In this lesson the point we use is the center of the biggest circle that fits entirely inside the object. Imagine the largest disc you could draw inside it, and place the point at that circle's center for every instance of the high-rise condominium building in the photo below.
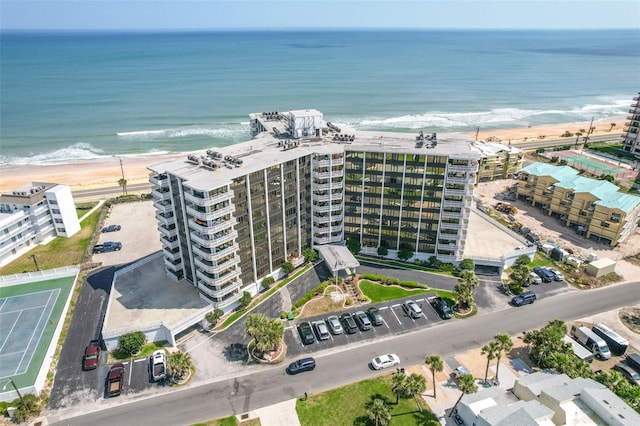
(632, 128)
(234, 216)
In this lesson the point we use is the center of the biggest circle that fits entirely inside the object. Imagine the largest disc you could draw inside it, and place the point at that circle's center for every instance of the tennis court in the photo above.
(591, 165)
(23, 320)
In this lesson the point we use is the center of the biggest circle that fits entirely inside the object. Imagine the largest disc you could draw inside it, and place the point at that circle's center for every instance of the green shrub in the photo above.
(349, 301)
(392, 281)
(364, 299)
(283, 315)
(268, 281)
(447, 267)
(413, 284)
(131, 342)
(373, 277)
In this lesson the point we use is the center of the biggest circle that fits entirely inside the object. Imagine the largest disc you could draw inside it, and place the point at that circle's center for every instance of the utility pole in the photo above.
(586, 138)
(16, 389)
(477, 131)
(124, 181)
(35, 261)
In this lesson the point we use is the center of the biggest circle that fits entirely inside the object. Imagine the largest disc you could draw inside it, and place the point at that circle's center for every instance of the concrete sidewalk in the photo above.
(281, 414)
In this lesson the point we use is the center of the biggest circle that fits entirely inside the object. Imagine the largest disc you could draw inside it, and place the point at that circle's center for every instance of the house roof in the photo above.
(607, 193)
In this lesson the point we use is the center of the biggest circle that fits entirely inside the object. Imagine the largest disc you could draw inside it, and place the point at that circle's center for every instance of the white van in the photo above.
(591, 341)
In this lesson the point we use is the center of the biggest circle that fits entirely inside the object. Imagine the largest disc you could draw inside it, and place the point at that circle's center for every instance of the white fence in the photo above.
(28, 277)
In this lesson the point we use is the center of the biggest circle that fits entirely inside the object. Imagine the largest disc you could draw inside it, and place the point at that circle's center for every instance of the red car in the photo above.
(91, 357)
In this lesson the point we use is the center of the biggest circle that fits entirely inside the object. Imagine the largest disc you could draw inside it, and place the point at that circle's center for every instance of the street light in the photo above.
(16, 389)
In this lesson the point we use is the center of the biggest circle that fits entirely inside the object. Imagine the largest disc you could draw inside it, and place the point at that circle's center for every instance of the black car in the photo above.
(304, 364)
(111, 228)
(441, 307)
(362, 320)
(348, 323)
(374, 315)
(306, 333)
(108, 246)
(528, 297)
(545, 275)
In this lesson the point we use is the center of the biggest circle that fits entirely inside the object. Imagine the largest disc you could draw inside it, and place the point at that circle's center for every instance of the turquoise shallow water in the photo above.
(69, 96)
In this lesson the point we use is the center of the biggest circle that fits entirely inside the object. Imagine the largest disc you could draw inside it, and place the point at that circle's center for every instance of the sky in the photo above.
(317, 14)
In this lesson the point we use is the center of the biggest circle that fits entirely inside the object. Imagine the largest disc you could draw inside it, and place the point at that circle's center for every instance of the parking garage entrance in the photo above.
(338, 258)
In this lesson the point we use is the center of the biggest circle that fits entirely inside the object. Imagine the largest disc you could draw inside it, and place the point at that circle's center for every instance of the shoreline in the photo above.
(105, 172)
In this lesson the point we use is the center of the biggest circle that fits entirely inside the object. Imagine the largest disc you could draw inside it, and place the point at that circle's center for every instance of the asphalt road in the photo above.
(110, 191)
(242, 394)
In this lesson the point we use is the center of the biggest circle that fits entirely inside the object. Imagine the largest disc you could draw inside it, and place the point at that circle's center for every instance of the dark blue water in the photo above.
(67, 96)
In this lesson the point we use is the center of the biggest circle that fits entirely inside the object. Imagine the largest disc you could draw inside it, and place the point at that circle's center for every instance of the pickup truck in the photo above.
(441, 307)
(107, 246)
(158, 363)
(115, 379)
(91, 357)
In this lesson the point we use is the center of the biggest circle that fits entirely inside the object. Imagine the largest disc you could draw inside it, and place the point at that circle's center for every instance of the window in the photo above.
(604, 224)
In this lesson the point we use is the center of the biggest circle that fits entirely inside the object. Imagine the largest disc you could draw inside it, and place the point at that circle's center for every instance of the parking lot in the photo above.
(394, 319)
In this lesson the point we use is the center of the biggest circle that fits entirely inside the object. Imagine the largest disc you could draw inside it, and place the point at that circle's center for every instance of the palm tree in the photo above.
(466, 384)
(179, 364)
(123, 183)
(468, 278)
(399, 384)
(464, 296)
(612, 126)
(505, 344)
(434, 362)
(415, 385)
(490, 350)
(378, 411)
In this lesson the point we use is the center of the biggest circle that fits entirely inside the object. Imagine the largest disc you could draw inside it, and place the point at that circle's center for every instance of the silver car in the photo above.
(322, 332)
(334, 325)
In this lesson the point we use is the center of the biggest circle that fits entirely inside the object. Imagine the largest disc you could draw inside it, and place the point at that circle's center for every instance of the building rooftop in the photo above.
(203, 172)
(619, 412)
(493, 148)
(606, 192)
(540, 380)
(518, 413)
(28, 194)
(570, 390)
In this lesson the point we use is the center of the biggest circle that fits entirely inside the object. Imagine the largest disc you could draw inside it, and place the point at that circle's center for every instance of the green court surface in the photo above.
(29, 315)
(591, 165)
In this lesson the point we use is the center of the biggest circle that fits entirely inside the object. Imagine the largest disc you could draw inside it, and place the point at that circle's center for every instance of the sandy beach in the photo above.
(106, 171)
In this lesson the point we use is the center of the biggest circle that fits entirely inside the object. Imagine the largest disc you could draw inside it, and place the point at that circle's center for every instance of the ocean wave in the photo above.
(495, 117)
(185, 132)
(71, 154)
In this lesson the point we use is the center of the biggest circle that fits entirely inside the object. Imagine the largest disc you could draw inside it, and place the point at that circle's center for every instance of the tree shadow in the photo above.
(426, 418)
(235, 352)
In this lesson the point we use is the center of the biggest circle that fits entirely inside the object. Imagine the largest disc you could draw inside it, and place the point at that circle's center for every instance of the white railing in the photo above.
(27, 277)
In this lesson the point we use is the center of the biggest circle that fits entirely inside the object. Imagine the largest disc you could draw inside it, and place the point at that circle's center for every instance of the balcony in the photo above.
(205, 202)
(177, 266)
(225, 252)
(447, 225)
(453, 215)
(214, 269)
(202, 285)
(325, 209)
(168, 254)
(462, 180)
(213, 229)
(168, 232)
(328, 197)
(215, 241)
(166, 242)
(161, 195)
(165, 219)
(216, 282)
(163, 206)
(328, 219)
(456, 192)
(460, 169)
(323, 163)
(160, 180)
(328, 175)
(228, 301)
(448, 203)
(327, 240)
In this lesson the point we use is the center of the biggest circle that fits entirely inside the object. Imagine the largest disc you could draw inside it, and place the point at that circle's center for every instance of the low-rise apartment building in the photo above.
(34, 214)
(593, 208)
(232, 217)
(498, 161)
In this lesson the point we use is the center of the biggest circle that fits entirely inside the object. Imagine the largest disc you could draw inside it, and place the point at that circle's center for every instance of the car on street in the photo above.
(322, 332)
(306, 334)
(526, 298)
(108, 246)
(557, 275)
(111, 228)
(334, 325)
(91, 357)
(374, 315)
(412, 309)
(348, 323)
(304, 364)
(362, 320)
(385, 361)
(535, 278)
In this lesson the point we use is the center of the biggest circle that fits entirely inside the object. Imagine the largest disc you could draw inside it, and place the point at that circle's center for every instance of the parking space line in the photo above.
(385, 323)
(130, 374)
(139, 360)
(394, 314)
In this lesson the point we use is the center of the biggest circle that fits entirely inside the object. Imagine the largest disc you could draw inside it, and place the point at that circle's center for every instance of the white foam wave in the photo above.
(75, 152)
(184, 132)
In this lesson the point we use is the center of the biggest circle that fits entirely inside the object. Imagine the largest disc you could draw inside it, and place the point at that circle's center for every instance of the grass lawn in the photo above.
(59, 252)
(540, 260)
(403, 265)
(381, 293)
(346, 406)
(146, 350)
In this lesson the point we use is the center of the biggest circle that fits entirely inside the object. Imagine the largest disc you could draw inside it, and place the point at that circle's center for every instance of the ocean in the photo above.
(74, 96)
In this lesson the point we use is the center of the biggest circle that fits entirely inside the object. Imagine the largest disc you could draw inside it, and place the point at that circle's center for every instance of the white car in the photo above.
(334, 325)
(384, 361)
(412, 309)
(536, 279)
(557, 274)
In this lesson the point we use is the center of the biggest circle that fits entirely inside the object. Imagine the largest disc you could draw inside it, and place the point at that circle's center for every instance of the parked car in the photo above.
(106, 247)
(441, 307)
(459, 370)
(629, 373)
(322, 332)
(412, 309)
(304, 364)
(111, 228)
(306, 334)
(384, 361)
(91, 357)
(525, 298)
(362, 320)
(349, 323)
(334, 325)
(374, 315)
(536, 278)
(557, 275)
(545, 276)
(115, 379)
